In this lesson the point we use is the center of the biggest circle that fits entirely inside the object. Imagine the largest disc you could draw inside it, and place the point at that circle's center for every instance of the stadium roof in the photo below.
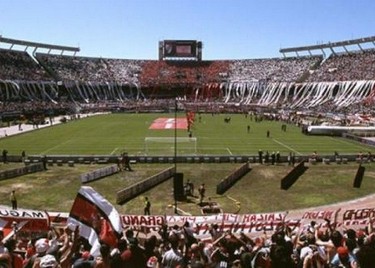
(331, 46)
(37, 45)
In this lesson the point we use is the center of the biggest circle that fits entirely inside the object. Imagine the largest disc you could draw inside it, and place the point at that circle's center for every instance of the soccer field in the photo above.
(113, 134)
(258, 191)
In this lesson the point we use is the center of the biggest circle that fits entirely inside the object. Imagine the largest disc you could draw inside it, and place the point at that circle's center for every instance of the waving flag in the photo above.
(97, 218)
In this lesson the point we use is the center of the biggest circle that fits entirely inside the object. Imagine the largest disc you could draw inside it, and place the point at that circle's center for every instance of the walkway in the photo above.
(16, 129)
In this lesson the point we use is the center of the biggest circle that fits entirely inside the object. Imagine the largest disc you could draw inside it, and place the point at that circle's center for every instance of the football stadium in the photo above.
(227, 163)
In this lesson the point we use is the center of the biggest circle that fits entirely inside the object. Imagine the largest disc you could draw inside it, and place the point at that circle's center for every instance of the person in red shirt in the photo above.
(16, 259)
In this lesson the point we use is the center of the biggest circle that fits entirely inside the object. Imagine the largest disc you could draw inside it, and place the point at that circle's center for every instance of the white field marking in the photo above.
(169, 123)
(184, 212)
(231, 198)
(229, 151)
(114, 150)
(52, 148)
(286, 146)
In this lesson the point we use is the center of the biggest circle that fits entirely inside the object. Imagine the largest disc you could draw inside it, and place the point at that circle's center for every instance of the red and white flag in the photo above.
(97, 219)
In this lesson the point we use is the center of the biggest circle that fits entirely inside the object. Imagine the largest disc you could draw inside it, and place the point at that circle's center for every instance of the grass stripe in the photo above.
(286, 146)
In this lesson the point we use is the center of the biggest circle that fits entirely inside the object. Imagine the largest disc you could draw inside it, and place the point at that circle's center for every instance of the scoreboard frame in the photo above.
(178, 49)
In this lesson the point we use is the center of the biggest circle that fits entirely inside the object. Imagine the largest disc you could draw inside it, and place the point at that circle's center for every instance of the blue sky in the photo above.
(229, 29)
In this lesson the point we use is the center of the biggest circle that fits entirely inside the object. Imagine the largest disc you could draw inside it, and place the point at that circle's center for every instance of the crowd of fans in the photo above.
(150, 73)
(272, 70)
(19, 66)
(179, 246)
(191, 73)
(316, 246)
(38, 107)
(209, 86)
(89, 69)
(91, 80)
(33, 112)
(346, 67)
(148, 105)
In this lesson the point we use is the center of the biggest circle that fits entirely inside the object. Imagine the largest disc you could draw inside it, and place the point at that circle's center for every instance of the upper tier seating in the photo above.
(19, 66)
(346, 67)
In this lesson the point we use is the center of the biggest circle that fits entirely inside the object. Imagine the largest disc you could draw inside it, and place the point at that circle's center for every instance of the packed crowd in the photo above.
(179, 72)
(236, 85)
(150, 73)
(19, 66)
(147, 105)
(272, 70)
(346, 67)
(38, 107)
(177, 246)
(89, 69)
(33, 112)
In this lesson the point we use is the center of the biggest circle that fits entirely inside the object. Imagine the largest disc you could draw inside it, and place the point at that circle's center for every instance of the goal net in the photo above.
(166, 145)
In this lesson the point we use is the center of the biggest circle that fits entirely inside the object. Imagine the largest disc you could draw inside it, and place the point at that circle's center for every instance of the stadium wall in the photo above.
(110, 159)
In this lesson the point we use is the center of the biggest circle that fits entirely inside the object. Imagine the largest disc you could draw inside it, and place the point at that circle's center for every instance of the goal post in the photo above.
(166, 145)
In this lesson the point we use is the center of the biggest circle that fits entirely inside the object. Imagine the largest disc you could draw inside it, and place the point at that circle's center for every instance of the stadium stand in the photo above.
(272, 70)
(94, 70)
(354, 66)
(19, 66)
(116, 83)
(52, 85)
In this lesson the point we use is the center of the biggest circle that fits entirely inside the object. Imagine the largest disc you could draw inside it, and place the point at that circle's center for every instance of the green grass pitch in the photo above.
(113, 134)
(258, 191)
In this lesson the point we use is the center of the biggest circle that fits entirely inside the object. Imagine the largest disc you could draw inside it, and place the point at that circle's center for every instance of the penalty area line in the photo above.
(54, 147)
(229, 151)
(114, 150)
(286, 146)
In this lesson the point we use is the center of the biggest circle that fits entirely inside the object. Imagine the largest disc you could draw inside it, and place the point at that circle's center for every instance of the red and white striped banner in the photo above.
(96, 217)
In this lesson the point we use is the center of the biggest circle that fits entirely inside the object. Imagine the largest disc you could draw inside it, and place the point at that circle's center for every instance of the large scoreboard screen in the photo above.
(180, 48)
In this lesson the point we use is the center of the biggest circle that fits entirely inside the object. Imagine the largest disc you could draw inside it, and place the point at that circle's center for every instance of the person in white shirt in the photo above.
(173, 257)
(312, 254)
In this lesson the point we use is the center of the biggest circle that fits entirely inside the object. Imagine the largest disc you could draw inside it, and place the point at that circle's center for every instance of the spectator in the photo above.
(189, 235)
(366, 256)
(343, 258)
(134, 255)
(173, 257)
(126, 162)
(311, 254)
(49, 261)
(23, 156)
(5, 260)
(13, 200)
(147, 206)
(41, 248)
(5, 156)
(202, 192)
(3, 249)
(84, 261)
(104, 260)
